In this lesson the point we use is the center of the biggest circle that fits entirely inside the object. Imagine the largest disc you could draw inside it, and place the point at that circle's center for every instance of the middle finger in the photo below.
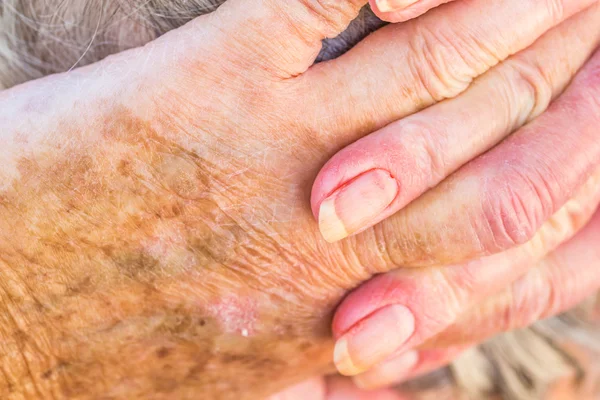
(403, 68)
(418, 152)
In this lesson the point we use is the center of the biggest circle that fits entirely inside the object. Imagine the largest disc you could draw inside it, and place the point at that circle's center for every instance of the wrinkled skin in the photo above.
(153, 246)
(167, 236)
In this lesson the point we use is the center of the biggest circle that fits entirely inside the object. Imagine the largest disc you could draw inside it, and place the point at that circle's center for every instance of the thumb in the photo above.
(282, 37)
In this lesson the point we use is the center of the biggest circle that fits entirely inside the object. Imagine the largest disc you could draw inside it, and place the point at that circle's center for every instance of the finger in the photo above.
(333, 388)
(398, 163)
(403, 10)
(500, 199)
(339, 388)
(400, 310)
(403, 68)
(282, 38)
(314, 388)
(405, 366)
(560, 281)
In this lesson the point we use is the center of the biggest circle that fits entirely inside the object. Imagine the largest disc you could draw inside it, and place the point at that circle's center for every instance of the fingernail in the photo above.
(357, 204)
(388, 373)
(393, 5)
(373, 339)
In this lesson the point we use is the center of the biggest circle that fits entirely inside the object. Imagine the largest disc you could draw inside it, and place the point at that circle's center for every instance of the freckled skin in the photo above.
(151, 253)
(142, 317)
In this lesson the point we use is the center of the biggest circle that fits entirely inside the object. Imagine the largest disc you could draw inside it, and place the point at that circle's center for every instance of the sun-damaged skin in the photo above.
(156, 239)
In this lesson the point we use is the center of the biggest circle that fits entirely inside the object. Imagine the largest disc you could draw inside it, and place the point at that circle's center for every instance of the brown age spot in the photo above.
(183, 322)
(125, 168)
(109, 225)
(49, 373)
(162, 352)
(183, 176)
(86, 285)
(135, 264)
(303, 346)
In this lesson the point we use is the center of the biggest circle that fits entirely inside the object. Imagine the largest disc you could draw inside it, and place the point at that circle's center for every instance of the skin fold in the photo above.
(155, 227)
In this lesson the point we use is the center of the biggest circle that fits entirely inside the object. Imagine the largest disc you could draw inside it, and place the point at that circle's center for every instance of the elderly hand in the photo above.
(156, 240)
(510, 179)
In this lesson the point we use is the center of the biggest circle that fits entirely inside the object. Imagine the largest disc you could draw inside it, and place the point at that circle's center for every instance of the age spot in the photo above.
(163, 352)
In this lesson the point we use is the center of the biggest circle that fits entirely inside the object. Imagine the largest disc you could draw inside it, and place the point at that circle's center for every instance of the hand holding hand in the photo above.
(511, 198)
(155, 229)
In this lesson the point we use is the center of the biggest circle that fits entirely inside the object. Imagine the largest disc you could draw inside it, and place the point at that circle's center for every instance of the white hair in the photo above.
(41, 37)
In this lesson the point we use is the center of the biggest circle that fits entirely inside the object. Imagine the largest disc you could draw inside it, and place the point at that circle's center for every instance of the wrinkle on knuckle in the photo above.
(453, 295)
(508, 220)
(529, 298)
(568, 220)
(331, 17)
(559, 287)
(567, 283)
(514, 209)
(420, 146)
(401, 245)
(446, 61)
(527, 80)
(546, 290)
(555, 10)
(440, 307)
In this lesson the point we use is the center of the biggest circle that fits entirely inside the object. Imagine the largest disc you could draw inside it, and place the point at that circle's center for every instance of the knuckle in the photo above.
(453, 296)
(510, 221)
(424, 148)
(531, 79)
(567, 283)
(556, 10)
(571, 217)
(544, 292)
(514, 208)
(445, 61)
(451, 300)
(529, 298)
(432, 155)
(559, 289)
(330, 16)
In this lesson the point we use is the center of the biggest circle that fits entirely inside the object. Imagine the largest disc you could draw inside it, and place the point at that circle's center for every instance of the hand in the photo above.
(515, 201)
(155, 233)
(403, 10)
(335, 388)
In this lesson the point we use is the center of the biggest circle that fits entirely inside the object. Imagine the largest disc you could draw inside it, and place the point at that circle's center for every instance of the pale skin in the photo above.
(156, 236)
(513, 188)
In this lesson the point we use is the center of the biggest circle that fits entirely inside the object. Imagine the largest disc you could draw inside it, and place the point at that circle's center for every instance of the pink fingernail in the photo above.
(356, 205)
(373, 339)
(393, 5)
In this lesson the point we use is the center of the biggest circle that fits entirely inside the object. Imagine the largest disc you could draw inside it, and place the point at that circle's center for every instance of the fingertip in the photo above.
(379, 292)
(357, 205)
(390, 372)
(395, 11)
(386, 11)
(374, 339)
(340, 388)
